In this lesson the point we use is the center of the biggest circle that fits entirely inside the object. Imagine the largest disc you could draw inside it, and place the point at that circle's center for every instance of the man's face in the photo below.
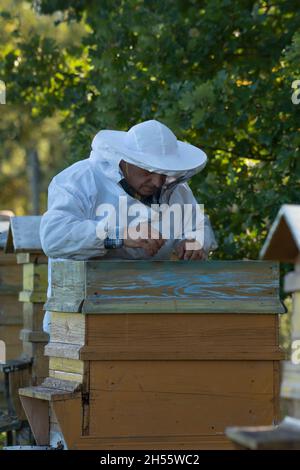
(143, 181)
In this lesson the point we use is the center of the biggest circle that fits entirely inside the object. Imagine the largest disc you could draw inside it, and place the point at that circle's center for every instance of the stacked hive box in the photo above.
(24, 240)
(31, 367)
(157, 355)
(10, 309)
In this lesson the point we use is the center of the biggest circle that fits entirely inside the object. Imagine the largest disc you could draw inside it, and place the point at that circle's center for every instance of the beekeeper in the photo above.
(148, 167)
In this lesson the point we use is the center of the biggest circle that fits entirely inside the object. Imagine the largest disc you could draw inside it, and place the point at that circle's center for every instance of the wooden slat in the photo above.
(176, 398)
(155, 286)
(62, 375)
(67, 286)
(35, 277)
(212, 286)
(181, 336)
(62, 350)
(199, 442)
(66, 365)
(67, 328)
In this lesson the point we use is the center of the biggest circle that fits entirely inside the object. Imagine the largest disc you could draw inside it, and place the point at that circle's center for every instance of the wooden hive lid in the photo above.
(121, 286)
(5, 216)
(23, 235)
(283, 240)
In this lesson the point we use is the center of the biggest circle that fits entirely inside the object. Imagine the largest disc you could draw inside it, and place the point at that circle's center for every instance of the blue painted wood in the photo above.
(116, 286)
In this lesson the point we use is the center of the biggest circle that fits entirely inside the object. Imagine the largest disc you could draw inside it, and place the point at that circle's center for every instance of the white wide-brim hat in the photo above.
(153, 146)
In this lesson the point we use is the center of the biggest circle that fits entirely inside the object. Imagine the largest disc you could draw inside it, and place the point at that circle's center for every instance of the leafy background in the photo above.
(217, 72)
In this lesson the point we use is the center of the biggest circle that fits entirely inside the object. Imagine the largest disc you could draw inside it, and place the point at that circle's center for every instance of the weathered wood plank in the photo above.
(67, 328)
(155, 286)
(66, 365)
(62, 350)
(200, 287)
(67, 286)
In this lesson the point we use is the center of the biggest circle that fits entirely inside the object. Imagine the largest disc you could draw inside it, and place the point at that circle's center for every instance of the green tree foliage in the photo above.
(35, 59)
(217, 72)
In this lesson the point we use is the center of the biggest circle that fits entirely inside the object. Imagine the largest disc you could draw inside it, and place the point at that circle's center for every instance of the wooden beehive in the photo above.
(282, 244)
(157, 355)
(23, 240)
(10, 309)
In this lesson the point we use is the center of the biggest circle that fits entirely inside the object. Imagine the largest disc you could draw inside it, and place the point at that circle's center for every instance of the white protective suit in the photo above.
(68, 228)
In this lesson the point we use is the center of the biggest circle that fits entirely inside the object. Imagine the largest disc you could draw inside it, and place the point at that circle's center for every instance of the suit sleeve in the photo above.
(66, 231)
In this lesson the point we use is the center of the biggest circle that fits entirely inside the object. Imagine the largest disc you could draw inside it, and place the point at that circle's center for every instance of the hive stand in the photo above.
(158, 354)
(283, 244)
(31, 367)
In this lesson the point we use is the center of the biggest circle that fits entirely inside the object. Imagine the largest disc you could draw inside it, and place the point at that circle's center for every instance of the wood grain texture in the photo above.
(62, 350)
(67, 328)
(212, 286)
(156, 286)
(181, 336)
(179, 398)
(67, 286)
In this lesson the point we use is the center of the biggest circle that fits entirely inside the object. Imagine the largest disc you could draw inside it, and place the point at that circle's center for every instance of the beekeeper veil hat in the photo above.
(152, 146)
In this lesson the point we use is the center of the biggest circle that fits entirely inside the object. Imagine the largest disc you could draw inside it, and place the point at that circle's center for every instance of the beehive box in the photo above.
(10, 308)
(29, 366)
(158, 355)
(283, 244)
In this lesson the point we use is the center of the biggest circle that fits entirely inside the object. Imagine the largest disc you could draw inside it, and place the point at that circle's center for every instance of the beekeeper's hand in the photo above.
(144, 236)
(190, 250)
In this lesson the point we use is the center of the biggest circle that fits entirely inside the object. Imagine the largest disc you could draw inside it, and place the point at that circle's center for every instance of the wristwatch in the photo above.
(113, 243)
